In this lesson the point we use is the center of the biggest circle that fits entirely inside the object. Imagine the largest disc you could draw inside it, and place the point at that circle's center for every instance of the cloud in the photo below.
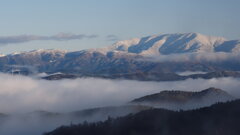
(185, 73)
(112, 38)
(21, 94)
(5, 40)
(197, 57)
(28, 94)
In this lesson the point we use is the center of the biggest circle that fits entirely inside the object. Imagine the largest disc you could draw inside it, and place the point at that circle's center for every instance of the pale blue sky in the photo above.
(123, 18)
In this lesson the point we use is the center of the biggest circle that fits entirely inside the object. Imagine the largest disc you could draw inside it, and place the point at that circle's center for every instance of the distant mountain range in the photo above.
(137, 55)
(148, 76)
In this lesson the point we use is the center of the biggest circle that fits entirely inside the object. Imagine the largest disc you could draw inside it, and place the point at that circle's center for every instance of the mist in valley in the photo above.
(199, 57)
(21, 95)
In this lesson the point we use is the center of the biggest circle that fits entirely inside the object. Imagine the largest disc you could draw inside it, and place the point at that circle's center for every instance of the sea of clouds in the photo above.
(20, 95)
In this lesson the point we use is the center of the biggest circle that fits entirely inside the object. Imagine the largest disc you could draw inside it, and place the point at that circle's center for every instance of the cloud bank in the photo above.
(21, 94)
(200, 57)
(5, 40)
(25, 94)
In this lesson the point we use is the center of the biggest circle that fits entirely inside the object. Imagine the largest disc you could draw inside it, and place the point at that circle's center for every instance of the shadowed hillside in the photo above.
(219, 119)
(176, 100)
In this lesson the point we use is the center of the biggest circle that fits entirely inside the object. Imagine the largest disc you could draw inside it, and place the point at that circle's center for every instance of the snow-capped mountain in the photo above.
(176, 43)
(163, 44)
(40, 52)
(123, 56)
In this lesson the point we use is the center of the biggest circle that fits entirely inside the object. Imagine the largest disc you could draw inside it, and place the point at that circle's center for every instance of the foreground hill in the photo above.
(38, 122)
(219, 119)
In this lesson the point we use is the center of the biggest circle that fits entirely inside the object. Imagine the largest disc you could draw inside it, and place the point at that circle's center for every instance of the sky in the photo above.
(82, 24)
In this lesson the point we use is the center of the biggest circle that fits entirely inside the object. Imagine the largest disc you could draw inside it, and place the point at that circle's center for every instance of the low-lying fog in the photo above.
(21, 94)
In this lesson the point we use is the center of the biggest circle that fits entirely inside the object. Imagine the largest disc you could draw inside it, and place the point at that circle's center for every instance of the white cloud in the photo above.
(25, 94)
(202, 57)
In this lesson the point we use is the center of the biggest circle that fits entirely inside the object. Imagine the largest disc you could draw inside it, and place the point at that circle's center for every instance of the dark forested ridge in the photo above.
(147, 76)
(219, 119)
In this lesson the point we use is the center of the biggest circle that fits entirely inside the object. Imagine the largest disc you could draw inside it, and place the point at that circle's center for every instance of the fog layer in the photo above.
(24, 94)
(201, 57)
(20, 95)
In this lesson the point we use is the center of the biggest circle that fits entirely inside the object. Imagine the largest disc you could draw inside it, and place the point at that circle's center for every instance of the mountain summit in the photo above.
(175, 44)
(184, 99)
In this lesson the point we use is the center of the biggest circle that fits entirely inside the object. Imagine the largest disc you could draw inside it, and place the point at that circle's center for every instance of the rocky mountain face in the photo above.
(176, 43)
(130, 56)
(176, 100)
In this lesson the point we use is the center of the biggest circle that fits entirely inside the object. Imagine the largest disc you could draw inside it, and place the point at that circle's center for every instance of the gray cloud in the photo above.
(5, 40)
(112, 38)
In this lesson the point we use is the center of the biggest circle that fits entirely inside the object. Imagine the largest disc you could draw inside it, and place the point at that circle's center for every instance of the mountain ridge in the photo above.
(178, 43)
(177, 99)
(176, 40)
(218, 119)
(146, 76)
(130, 56)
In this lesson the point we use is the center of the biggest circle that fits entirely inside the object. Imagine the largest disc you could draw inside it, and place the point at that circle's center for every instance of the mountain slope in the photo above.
(175, 44)
(219, 119)
(130, 57)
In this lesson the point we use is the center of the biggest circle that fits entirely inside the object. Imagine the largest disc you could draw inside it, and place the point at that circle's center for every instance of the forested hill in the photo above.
(219, 119)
